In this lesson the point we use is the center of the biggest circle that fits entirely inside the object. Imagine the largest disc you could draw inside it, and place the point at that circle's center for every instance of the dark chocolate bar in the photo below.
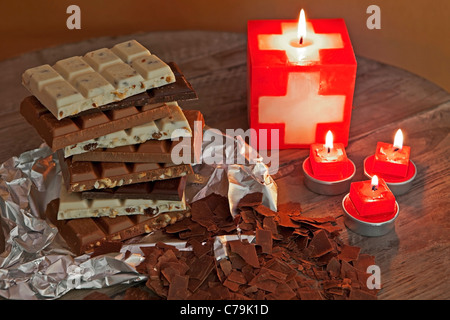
(159, 151)
(68, 131)
(169, 189)
(179, 90)
(84, 175)
(85, 234)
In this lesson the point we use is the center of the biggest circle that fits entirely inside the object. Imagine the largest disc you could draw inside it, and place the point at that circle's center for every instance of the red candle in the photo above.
(372, 197)
(301, 77)
(392, 159)
(329, 159)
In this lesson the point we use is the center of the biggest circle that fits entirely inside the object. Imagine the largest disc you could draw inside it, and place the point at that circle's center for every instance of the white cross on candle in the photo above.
(302, 108)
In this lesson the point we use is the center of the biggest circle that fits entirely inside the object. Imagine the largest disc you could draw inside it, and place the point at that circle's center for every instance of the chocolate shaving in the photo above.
(247, 252)
(293, 256)
(319, 245)
(264, 240)
(250, 200)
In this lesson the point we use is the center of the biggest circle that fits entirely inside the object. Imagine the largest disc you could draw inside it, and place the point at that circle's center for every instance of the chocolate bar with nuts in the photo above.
(73, 206)
(69, 131)
(175, 125)
(85, 234)
(180, 90)
(169, 189)
(159, 151)
(84, 175)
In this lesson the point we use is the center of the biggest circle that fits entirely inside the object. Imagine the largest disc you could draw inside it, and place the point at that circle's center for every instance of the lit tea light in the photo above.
(328, 169)
(392, 163)
(329, 159)
(392, 159)
(372, 197)
(370, 207)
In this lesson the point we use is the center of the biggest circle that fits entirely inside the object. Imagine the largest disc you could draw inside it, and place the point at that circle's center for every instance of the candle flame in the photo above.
(301, 29)
(374, 183)
(329, 140)
(398, 140)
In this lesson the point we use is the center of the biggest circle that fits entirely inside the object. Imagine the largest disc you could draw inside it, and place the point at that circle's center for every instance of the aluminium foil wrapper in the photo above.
(35, 262)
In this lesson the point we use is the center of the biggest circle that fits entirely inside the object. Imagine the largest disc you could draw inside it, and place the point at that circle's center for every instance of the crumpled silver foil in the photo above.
(242, 171)
(37, 264)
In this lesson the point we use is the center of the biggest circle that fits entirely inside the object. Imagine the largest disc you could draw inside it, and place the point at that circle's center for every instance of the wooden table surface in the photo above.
(414, 259)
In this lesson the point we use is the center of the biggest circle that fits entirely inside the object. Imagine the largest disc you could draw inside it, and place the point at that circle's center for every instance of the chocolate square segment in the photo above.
(84, 234)
(86, 175)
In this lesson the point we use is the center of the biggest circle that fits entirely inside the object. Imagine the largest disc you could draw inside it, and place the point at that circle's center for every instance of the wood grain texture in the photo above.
(414, 259)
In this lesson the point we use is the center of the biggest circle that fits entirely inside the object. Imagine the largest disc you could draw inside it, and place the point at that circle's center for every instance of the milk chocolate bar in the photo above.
(180, 90)
(98, 78)
(85, 234)
(152, 150)
(83, 175)
(72, 206)
(175, 125)
(169, 189)
(69, 131)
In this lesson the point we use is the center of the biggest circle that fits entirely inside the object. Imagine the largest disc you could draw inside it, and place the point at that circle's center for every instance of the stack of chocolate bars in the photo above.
(124, 144)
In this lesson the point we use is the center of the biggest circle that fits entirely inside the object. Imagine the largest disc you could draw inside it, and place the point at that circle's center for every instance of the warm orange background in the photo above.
(414, 34)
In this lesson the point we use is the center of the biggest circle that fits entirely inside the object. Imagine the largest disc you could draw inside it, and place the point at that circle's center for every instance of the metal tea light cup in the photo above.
(364, 228)
(397, 187)
(328, 188)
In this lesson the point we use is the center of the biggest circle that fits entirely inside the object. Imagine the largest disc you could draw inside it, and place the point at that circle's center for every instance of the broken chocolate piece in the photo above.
(264, 240)
(250, 200)
(319, 245)
(247, 252)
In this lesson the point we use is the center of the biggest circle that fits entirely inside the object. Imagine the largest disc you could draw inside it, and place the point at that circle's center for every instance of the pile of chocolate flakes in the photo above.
(292, 257)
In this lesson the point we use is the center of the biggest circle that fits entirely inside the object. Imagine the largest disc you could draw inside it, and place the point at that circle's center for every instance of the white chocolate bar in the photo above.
(72, 206)
(160, 129)
(99, 77)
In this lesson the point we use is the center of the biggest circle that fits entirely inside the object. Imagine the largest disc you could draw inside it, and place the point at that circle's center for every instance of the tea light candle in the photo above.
(372, 197)
(329, 159)
(392, 163)
(328, 170)
(392, 159)
(370, 207)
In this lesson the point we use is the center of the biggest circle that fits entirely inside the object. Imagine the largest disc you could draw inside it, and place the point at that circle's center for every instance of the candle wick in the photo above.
(301, 40)
(374, 188)
(396, 149)
(329, 149)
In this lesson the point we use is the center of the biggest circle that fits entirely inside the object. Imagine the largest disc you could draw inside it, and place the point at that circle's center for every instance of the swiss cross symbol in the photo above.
(301, 85)
(302, 108)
